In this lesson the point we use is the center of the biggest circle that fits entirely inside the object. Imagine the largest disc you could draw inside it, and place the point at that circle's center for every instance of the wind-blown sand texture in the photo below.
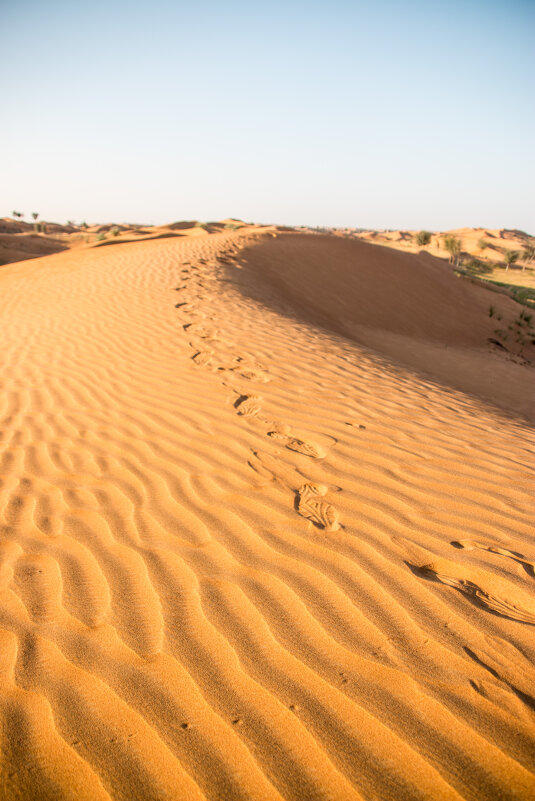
(266, 527)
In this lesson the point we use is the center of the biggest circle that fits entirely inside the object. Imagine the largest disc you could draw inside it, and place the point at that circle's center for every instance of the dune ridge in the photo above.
(234, 525)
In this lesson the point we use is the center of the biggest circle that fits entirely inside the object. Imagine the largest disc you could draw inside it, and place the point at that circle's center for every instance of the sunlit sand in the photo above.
(266, 522)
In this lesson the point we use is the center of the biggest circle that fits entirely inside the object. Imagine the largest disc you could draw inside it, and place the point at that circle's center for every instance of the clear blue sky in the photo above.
(380, 114)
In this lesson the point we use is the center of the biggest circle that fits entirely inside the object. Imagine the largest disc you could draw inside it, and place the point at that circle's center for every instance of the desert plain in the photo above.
(266, 518)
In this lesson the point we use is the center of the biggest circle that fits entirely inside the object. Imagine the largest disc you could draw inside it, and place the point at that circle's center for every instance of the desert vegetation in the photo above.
(453, 245)
(519, 331)
(528, 255)
(423, 238)
(510, 257)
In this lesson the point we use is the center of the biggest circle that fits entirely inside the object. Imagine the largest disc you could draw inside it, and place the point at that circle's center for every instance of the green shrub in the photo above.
(453, 246)
(477, 267)
(423, 238)
(528, 254)
(114, 231)
(510, 257)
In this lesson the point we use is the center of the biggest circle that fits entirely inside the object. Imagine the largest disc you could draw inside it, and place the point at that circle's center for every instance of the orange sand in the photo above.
(266, 526)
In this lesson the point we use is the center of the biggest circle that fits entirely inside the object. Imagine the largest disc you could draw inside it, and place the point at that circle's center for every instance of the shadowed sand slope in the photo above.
(243, 556)
(27, 246)
(412, 308)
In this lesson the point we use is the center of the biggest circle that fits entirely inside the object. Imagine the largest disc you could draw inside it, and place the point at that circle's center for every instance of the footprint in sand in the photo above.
(489, 591)
(310, 501)
(494, 547)
(318, 511)
(200, 331)
(202, 357)
(299, 445)
(248, 405)
(280, 433)
(251, 374)
(278, 430)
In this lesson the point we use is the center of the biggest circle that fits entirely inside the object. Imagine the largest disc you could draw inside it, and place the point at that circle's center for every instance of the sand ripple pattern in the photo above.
(193, 608)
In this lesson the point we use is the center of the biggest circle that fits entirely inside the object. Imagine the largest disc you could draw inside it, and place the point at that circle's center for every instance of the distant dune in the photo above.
(266, 516)
(488, 244)
(20, 240)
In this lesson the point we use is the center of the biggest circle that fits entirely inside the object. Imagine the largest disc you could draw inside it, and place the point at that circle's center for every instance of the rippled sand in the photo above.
(266, 522)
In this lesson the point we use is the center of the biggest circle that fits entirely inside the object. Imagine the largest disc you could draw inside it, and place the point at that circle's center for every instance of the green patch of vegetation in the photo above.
(101, 236)
(522, 294)
(520, 331)
(423, 238)
(477, 267)
(114, 231)
(232, 226)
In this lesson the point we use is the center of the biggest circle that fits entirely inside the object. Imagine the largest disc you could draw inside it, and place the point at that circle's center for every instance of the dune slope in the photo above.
(411, 308)
(245, 552)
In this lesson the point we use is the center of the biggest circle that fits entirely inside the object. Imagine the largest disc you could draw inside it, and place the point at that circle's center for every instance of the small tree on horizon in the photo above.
(423, 238)
(453, 246)
(528, 254)
(510, 257)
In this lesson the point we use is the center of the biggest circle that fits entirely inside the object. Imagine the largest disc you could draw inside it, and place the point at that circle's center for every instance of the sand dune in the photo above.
(411, 308)
(20, 240)
(488, 244)
(27, 246)
(266, 526)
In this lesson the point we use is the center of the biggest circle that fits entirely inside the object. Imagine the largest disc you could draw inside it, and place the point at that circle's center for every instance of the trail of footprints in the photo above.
(489, 592)
(310, 503)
